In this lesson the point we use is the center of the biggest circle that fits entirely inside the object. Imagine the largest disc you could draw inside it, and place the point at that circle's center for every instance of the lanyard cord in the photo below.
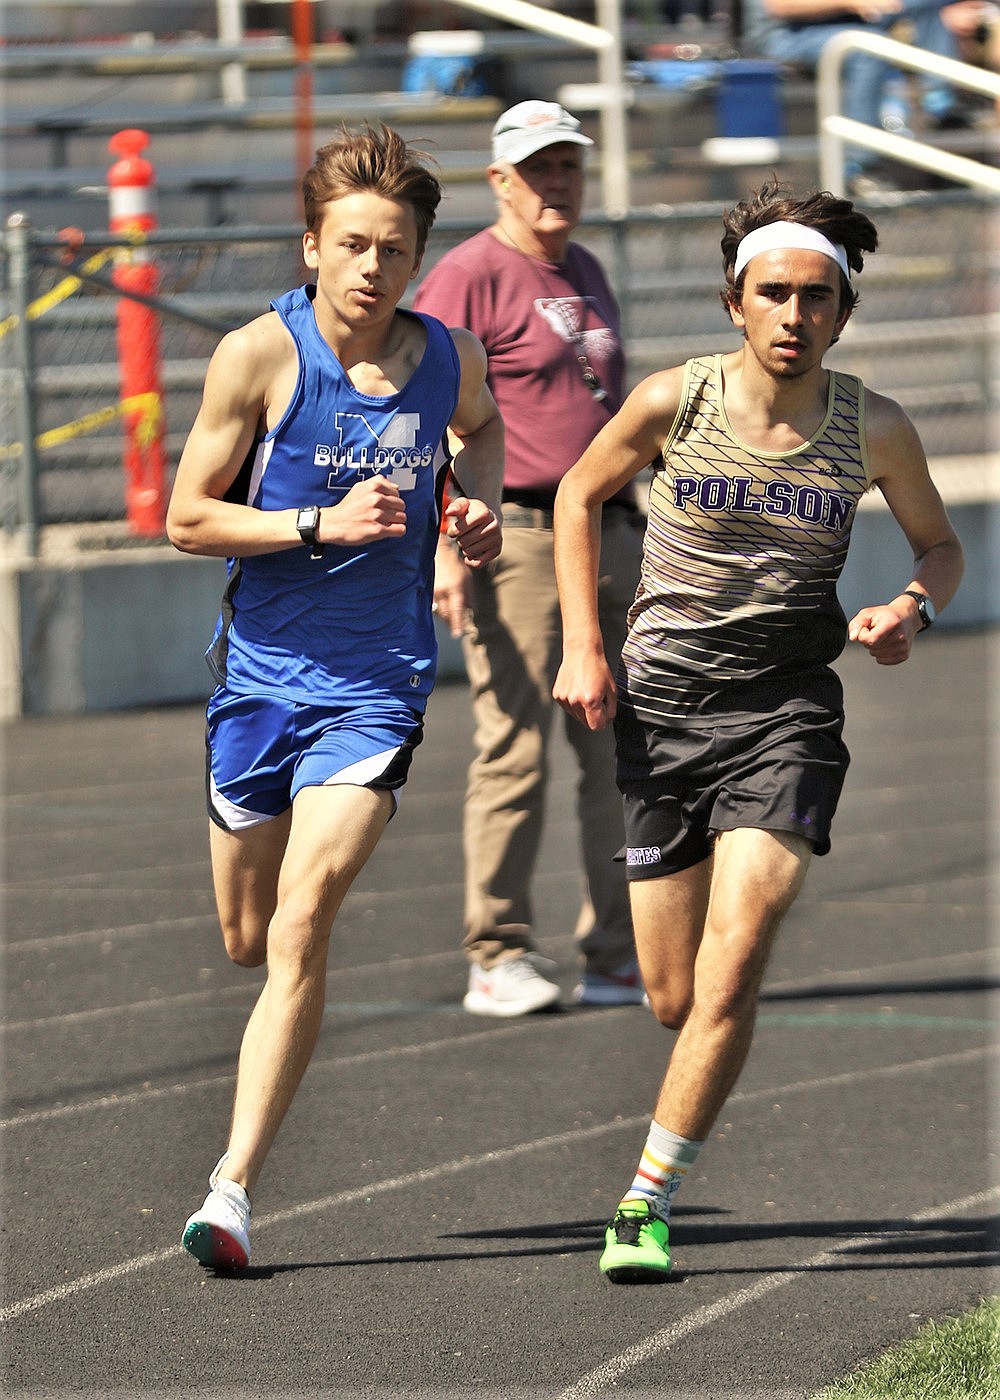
(574, 334)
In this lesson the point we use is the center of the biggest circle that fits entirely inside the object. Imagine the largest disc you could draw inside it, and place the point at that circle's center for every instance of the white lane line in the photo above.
(823, 986)
(340, 1198)
(108, 934)
(212, 995)
(116, 1102)
(611, 1371)
(572, 1137)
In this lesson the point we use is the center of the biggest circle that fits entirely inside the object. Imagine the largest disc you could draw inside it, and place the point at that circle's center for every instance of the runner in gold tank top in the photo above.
(742, 556)
(727, 713)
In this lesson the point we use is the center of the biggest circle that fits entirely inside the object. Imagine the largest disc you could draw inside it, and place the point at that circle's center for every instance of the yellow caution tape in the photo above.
(148, 406)
(64, 289)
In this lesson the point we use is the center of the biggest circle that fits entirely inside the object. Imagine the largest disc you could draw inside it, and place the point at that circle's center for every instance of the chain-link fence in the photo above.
(926, 333)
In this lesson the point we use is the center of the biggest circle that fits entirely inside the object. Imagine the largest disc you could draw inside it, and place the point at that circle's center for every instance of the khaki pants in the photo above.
(513, 648)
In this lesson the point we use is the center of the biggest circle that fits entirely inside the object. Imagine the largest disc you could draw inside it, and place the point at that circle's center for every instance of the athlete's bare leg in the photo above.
(333, 832)
(704, 937)
(245, 869)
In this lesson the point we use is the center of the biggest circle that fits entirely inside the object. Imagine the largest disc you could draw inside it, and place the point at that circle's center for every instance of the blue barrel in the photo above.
(748, 99)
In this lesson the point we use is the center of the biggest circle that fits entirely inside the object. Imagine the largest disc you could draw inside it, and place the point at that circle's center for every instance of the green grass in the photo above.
(954, 1360)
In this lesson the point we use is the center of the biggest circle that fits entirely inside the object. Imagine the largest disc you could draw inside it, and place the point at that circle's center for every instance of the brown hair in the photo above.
(374, 158)
(837, 219)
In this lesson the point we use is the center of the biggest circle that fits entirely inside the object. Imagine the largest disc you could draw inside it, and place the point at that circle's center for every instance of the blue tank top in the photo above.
(356, 624)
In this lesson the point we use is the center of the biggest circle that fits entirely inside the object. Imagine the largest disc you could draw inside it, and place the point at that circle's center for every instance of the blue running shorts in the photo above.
(261, 751)
(682, 786)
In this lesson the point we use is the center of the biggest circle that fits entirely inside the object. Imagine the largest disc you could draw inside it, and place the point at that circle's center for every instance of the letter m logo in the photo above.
(389, 453)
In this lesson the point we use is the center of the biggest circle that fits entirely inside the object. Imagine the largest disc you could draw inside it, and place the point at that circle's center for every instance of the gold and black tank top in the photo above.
(737, 613)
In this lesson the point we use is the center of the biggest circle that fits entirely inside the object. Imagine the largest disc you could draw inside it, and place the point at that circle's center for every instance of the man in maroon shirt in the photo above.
(542, 307)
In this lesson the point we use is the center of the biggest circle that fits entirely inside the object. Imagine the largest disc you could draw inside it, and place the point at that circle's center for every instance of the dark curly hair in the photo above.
(836, 218)
(376, 159)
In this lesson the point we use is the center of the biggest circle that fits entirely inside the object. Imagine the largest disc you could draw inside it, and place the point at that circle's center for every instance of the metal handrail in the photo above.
(835, 130)
(604, 39)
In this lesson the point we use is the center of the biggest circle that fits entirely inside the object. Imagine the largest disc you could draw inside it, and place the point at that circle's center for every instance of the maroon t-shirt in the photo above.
(534, 318)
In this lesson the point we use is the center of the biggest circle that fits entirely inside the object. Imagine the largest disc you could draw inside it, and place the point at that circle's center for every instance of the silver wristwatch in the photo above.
(307, 524)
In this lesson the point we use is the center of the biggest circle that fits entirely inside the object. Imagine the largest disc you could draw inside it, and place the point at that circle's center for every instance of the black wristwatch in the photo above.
(307, 523)
(924, 607)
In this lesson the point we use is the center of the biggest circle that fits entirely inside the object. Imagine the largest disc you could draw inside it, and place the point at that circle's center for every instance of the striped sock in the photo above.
(664, 1161)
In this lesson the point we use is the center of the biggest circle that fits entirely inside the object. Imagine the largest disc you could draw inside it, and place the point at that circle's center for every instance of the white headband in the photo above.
(788, 235)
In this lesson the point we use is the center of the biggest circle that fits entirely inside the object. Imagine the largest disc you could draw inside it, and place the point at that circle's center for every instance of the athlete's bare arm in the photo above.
(629, 442)
(249, 384)
(231, 416)
(476, 429)
(899, 468)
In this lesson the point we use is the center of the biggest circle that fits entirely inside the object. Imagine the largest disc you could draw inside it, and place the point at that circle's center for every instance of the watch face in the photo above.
(307, 523)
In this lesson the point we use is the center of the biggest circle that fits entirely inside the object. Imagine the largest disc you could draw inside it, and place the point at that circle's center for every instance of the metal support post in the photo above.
(17, 238)
(621, 265)
(615, 173)
(230, 27)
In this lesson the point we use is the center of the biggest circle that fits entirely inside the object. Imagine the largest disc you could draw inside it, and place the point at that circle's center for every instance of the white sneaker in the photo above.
(218, 1234)
(514, 987)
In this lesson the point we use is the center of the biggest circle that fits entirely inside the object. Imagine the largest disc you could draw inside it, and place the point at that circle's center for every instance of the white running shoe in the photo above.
(514, 987)
(218, 1234)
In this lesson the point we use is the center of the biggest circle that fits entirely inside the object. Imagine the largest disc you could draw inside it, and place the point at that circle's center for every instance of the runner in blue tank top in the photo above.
(316, 466)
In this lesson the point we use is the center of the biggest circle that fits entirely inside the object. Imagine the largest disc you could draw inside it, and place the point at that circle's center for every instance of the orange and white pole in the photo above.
(302, 29)
(132, 198)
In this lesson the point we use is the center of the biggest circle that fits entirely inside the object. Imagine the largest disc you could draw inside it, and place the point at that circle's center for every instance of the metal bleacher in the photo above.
(926, 332)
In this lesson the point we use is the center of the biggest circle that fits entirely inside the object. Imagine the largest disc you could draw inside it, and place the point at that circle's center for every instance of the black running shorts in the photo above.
(682, 786)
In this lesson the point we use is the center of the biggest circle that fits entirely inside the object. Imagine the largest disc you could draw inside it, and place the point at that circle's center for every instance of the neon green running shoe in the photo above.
(636, 1246)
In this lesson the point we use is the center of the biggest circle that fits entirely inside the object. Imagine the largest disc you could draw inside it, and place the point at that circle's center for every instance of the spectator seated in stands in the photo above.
(976, 26)
(795, 32)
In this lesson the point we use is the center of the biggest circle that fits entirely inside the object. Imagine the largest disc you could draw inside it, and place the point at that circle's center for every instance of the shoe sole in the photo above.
(479, 1005)
(213, 1247)
(635, 1273)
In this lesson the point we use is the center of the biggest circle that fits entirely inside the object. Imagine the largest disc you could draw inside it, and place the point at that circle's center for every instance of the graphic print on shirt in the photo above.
(568, 317)
(358, 448)
(744, 495)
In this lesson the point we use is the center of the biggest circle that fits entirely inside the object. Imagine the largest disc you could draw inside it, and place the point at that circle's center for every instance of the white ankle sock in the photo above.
(665, 1160)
